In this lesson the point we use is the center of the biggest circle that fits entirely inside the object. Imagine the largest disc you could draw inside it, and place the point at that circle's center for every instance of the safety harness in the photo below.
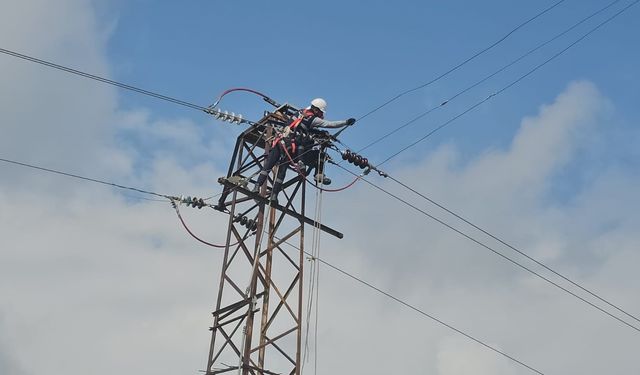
(288, 137)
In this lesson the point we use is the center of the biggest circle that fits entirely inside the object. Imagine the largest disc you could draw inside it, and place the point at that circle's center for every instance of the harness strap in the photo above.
(306, 114)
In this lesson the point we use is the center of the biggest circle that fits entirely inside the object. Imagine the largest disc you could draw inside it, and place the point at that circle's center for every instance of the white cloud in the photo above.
(90, 276)
(508, 193)
(47, 113)
(460, 357)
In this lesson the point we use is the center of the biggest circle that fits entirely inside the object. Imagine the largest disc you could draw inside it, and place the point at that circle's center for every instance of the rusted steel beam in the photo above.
(285, 210)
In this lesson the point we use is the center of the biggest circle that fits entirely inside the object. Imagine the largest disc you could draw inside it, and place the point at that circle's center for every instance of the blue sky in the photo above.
(343, 50)
(550, 166)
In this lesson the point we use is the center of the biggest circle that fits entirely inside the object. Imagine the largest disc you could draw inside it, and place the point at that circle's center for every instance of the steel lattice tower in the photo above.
(257, 322)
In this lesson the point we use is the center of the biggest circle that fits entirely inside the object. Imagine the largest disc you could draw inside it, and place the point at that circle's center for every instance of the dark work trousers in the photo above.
(313, 159)
(276, 156)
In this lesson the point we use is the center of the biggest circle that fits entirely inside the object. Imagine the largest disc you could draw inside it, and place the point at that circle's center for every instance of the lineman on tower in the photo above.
(295, 144)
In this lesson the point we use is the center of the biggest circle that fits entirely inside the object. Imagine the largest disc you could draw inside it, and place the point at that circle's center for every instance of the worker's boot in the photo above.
(322, 179)
(256, 190)
(273, 197)
(262, 178)
(275, 190)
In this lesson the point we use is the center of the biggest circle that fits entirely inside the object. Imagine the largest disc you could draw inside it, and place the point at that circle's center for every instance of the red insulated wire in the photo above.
(294, 165)
(193, 235)
(314, 185)
(336, 190)
(238, 89)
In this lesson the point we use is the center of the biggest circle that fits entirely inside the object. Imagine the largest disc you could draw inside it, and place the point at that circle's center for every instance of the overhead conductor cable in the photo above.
(505, 257)
(396, 299)
(462, 63)
(602, 299)
(419, 311)
(476, 84)
(513, 83)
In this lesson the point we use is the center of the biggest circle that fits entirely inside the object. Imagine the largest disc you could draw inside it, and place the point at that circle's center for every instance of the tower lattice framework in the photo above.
(257, 321)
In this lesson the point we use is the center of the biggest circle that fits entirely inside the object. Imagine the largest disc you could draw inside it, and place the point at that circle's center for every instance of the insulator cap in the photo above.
(250, 224)
(365, 163)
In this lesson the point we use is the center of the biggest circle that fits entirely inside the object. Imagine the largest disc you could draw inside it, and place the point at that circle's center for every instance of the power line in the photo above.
(191, 105)
(418, 310)
(194, 106)
(102, 79)
(477, 104)
(514, 248)
(143, 198)
(505, 257)
(469, 88)
(166, 197)
(220, 115)
(591, 31)
(398, 96)
(84, 178)
(332, 266)
(320, 260)
(335, 267)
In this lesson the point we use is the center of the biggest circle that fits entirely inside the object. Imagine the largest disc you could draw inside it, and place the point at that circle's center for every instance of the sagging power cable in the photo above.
(85, 178)
(361, 281)
(496, 252)
(513, 83)
(264, 97)
(418, 310)
(199, 203)
(512, 247)
(303, 175)
(320, 260)
(398, 96)
(220, 115)
(322, 188)
(174, 204)
(102, 79)
(223, 116)
(476, 84)
(175, 100)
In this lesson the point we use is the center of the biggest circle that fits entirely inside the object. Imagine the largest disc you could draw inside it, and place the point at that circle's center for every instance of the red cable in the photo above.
(295, 165)
(238, 89)
(193, 235)
(335, 190)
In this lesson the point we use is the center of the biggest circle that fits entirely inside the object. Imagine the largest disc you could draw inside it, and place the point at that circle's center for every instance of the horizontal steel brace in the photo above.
(280, 208)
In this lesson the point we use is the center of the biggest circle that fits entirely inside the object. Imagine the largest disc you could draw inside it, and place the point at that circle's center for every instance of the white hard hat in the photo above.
(319, 103)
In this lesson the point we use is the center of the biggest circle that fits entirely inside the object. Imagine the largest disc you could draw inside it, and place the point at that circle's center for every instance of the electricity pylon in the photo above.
(257, 322)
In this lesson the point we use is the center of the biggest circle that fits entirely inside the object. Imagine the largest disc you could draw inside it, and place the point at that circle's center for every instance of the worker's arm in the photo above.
(322, 123)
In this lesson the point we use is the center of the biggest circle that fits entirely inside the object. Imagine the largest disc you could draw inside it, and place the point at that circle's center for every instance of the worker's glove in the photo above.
(286, 132)
(351, 121)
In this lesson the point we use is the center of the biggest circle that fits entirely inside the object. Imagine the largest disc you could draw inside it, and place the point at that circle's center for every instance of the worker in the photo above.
(296, 144)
